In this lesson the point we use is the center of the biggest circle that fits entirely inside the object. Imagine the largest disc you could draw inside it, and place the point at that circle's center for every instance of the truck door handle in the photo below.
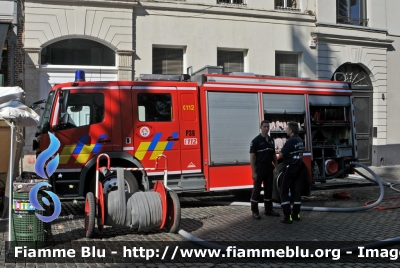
(172, 138)
(103, 140)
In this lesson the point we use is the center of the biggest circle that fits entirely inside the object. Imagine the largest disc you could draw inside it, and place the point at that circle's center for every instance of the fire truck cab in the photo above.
(203, 124)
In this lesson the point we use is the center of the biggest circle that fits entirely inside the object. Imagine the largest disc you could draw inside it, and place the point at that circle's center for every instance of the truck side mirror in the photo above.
(63, 121)
(63, 100)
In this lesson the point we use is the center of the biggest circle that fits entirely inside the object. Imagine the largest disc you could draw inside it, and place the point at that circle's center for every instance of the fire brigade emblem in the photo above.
(145, 131)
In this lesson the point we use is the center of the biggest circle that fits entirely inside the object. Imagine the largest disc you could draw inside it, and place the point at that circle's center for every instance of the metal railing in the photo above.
(351, 21)
(237, 2)
(287, 8)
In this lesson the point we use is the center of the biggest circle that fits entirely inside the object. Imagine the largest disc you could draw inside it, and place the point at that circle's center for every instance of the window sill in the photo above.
(351, 25)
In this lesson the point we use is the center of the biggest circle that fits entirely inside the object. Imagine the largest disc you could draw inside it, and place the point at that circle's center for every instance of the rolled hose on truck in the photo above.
(377, 244)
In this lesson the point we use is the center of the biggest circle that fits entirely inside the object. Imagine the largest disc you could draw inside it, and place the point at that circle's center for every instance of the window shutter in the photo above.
(232, 61)
(233, 122)
(283, 103)
(167, 60)
(286, 65)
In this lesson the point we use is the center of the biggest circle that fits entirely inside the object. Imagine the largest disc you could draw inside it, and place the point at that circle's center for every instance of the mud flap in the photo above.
(305, 182)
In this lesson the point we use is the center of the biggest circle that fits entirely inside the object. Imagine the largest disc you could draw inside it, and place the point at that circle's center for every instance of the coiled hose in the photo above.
(389, 184)
(140, 210)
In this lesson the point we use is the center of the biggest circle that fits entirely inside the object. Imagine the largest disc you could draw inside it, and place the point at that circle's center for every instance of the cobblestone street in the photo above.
(204, 217)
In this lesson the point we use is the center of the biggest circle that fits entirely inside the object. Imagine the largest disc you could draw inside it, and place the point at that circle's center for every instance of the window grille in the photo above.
(238, 2)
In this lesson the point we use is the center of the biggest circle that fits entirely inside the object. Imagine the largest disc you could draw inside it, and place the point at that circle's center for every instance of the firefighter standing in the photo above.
(292, 152)
(262, 154)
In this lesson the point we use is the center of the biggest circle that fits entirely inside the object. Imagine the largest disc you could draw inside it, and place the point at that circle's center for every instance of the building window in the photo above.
(238, 2)
(78, 52)
(3, 66)
(352, 12)
(286, 4)
(167, 60)
(286, 64)
(231, 61)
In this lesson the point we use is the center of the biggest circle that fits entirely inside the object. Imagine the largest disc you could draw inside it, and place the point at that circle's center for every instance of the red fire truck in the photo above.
(203, 124)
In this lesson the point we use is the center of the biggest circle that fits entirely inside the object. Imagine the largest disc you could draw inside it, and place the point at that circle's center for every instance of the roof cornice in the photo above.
(351, 39)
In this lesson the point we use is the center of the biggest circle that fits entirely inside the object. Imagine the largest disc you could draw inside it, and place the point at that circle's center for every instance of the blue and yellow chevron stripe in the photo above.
(155, 146)
(81, 152)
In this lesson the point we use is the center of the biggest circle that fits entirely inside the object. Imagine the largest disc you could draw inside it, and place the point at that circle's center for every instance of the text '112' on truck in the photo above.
(202, 123)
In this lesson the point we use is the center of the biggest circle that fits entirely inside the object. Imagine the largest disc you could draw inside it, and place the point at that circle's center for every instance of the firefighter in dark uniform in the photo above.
(292, 153)
(262, 154)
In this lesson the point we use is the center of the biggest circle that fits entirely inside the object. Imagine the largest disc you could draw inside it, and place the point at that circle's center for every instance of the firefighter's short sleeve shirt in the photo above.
(264, 149)
(293, 151)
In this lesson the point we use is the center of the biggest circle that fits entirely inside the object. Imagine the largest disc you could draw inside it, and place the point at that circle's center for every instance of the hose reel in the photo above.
(159, 207)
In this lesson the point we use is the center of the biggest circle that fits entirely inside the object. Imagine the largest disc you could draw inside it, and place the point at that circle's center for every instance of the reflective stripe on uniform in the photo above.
(266, 149)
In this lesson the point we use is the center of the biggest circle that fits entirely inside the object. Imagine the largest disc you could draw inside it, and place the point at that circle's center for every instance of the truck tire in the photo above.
(90, 214)
(173, 212)
(110, 183)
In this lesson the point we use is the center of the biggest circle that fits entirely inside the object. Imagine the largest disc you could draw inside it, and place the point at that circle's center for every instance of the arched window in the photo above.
(355, 74)
(78, 52)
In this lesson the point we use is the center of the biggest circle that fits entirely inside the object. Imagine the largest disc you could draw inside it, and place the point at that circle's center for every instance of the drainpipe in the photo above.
(12, 43)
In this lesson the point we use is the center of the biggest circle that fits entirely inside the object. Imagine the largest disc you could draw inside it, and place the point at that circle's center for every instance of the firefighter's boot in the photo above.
(268, 209)
(287, 218)
(254, 210)
(296, 212)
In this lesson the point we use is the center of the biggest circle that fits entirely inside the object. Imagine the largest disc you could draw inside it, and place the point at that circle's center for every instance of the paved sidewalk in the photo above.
(233, 225)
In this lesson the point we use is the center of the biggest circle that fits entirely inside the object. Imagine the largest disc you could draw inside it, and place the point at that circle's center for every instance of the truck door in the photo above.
(190, 131)
(156, 127)
(88, 130)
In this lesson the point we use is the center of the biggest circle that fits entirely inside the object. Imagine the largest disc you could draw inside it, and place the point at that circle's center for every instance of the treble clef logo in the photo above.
(35, 203)
(46, 154)
(51, 166)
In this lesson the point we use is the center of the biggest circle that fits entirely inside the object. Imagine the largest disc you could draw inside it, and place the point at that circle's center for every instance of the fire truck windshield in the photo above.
(44, 120)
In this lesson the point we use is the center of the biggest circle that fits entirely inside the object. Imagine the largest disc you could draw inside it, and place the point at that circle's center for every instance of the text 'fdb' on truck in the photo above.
(202, 123)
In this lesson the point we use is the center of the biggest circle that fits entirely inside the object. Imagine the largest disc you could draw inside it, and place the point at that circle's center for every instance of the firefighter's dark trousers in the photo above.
(263, 176)
(291, 180)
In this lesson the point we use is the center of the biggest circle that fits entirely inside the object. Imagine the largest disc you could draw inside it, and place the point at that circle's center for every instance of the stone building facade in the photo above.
(320, 39)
